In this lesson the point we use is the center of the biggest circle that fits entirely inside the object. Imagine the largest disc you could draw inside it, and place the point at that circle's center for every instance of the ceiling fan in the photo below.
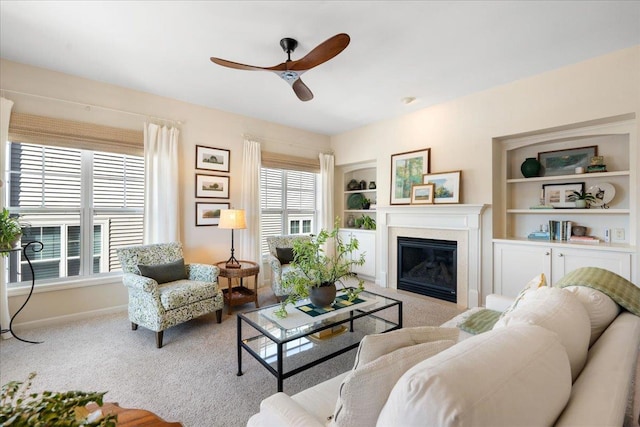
(290, 71)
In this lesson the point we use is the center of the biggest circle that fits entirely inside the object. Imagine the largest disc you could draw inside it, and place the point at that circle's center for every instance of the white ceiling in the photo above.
(433, 50)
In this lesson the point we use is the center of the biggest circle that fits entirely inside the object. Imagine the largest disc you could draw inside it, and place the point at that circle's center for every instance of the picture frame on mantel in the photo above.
(213, 159)
(422, 194)
(407, 169)
(447, 185)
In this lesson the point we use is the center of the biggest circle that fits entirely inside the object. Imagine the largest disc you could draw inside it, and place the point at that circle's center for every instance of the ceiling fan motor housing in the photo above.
(288, 45)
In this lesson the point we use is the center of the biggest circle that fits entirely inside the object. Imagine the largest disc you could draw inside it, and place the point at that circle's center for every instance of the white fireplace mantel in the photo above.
(452, 222)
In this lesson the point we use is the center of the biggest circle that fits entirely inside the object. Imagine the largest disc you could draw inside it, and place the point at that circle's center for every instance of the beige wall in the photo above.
(460, 132)
(200, 126)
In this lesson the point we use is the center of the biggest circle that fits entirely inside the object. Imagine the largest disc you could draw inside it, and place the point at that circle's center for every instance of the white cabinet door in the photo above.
(565, 260)
(367, 246)
(515, 265)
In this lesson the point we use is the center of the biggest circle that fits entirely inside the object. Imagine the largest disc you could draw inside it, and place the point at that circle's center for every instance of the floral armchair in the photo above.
(169, 292)
(280, 264)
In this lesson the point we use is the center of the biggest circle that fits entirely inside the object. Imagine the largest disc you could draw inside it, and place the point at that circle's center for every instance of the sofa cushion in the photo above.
(505, 377)
(537, 282)
(600, 308)
(376, 345)
(559, 311)
(284, 255)
(365, 390)
(164, 273)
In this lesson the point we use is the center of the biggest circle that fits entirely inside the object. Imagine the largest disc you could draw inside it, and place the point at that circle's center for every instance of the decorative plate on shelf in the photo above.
(355, 201)
(603, 192)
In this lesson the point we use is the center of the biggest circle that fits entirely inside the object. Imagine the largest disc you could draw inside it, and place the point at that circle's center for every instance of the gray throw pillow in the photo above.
(284, 255)
(163, 273)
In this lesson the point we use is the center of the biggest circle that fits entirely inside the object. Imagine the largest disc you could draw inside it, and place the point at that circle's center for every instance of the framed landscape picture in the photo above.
(213, 159)
(565, 162)
(422, 194)
(212, 186)
(209, 213)
(407, 169)
(447, 186)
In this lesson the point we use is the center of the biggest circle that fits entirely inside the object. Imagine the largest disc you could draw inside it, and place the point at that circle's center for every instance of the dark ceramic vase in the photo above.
(530, 167)
(323, 296)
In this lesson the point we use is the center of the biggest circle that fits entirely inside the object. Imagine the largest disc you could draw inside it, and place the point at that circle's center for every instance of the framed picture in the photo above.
(447, 186)
(212, 186)
(407, 169)
(209, 213)
(422, 194)
(557, 195)
(565, 162)
(213, 159)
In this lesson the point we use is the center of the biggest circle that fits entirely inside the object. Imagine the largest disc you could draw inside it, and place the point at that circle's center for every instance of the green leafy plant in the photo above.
(582, 195)
(10, 231)
(368, 223)
(19, 408)
(313, 267)
(366, 203)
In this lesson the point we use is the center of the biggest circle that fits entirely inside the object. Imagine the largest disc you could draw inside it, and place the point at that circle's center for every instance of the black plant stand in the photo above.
(33, 283)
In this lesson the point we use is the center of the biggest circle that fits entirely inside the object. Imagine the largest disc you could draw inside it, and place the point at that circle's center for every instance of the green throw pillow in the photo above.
(163, 273)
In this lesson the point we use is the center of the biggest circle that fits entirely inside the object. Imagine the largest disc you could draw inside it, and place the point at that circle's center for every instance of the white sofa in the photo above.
(543, 363)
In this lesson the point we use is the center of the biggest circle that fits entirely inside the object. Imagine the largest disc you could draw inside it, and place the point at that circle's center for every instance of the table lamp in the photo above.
(233, 219)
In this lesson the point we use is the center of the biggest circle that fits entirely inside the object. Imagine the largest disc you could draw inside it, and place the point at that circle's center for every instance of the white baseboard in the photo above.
(70, 317)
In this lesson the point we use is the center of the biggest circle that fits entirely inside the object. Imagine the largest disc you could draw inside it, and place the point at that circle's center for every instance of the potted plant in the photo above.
(315, 273)
(368, 223)
(582, 198)
(366, 203)
(10, 232)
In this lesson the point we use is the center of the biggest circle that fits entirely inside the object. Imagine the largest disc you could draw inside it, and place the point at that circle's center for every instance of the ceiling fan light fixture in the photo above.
(289, 75)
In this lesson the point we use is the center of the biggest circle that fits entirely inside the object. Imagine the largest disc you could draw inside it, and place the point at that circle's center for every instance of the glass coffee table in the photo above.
(304, 339)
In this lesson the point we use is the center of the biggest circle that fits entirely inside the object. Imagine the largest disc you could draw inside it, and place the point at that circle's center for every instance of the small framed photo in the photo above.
(557, 195)
(212, 186)
(422, 194)
(565, 162)
(209, 213)
(447, 186)
(213, 159)
(407, 169)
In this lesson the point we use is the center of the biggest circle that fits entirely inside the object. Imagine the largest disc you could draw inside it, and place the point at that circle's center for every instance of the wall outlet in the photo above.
(618, 234)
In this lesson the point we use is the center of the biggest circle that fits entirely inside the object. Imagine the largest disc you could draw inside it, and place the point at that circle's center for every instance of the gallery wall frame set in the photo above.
(209, 213)
(447, 186)
(407, 169)
(212, 186)
(212, 159)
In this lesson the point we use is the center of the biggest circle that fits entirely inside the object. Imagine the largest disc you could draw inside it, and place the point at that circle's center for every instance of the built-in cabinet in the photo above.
(516, 214)
(367, 247)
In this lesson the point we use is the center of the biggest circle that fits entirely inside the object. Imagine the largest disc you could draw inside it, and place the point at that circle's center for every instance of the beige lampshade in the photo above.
(232, 218)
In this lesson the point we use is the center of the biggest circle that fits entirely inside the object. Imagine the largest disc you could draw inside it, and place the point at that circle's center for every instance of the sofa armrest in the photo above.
(274, 263)
(281, 410)
(142, 283)
(498, 302)
(202, 272)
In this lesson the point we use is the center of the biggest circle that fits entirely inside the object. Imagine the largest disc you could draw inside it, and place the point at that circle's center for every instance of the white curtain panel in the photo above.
(161, 210)
(325, 196)
(5, 115)
(250, 201)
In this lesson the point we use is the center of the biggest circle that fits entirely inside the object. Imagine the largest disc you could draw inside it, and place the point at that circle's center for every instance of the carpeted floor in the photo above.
(192, 379)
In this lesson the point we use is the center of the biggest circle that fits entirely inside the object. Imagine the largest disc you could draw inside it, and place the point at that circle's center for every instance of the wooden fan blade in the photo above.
(302, 91)
(322, 53)
(238, 66)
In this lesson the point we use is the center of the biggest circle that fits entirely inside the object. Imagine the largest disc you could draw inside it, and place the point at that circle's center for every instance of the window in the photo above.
(287, 202)
(81, 204)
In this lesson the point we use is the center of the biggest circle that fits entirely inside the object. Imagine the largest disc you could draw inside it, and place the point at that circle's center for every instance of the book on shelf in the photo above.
(539, 235)
(584, 239)
(559, 230)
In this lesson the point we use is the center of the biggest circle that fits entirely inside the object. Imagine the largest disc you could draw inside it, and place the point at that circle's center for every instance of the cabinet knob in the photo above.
(547, 253)
(560, 255)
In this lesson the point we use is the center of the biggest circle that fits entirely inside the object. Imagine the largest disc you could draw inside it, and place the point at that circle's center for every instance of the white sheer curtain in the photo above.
(5, 115)
(325, 197)
(161, 210)
(250, 201)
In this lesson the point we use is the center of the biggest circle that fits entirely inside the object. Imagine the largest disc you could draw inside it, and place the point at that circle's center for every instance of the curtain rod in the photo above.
(290, 144)
(89, 106)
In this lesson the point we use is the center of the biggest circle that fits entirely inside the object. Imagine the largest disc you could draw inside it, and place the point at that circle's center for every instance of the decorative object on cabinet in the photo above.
(422, 194)
(355, 201)
(530, 167)
(565, 162)
(578, 230)
(212, 186)
(582, 199)
(209, 213)
(558, 195)
(363, 185)
(368, 223)
(447, 186)
(372, 185)
(351, 221)
(603, 194)
(407, 169)
(213, 159)
(366, 203)
(353, 185)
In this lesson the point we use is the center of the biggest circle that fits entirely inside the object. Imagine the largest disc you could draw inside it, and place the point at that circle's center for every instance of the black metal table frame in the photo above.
(278, 373)
(33, 283)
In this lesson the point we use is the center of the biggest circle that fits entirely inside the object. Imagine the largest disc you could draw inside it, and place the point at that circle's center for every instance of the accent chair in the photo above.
(279, 259)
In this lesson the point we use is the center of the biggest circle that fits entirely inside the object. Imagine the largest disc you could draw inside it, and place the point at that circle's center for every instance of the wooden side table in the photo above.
(238, 295)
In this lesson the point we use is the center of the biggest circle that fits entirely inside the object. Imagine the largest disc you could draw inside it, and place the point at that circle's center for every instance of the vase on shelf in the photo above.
(351, 221)
(530, 167)
(372, 185)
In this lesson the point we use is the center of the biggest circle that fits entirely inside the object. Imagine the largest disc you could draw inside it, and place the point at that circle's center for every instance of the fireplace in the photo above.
(428, 267)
